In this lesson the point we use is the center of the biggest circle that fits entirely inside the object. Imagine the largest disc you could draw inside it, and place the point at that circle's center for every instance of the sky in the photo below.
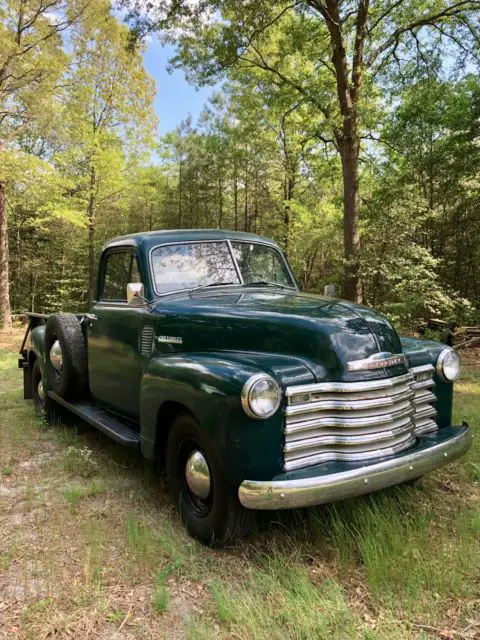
(175, 98)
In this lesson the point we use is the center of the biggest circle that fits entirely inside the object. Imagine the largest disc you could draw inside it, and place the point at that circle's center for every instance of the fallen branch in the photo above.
(467, 343)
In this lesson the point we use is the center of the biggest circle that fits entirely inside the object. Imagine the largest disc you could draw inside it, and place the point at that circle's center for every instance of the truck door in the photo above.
(113, 335)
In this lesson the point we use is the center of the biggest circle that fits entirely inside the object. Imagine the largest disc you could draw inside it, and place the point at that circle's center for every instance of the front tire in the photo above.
(208, 504)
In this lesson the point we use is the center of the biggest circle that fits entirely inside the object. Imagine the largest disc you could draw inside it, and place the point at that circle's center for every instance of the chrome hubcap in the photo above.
(56, 357)
(197, 475)
(40, 391)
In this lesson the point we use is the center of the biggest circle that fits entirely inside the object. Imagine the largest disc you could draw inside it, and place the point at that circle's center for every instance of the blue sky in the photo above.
(175, 97)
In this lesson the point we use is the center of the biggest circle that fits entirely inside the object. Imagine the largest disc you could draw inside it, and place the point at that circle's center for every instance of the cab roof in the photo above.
(148, 239)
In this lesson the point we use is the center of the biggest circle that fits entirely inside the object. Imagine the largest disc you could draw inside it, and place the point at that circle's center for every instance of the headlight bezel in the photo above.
(439, 367)
(247, 390)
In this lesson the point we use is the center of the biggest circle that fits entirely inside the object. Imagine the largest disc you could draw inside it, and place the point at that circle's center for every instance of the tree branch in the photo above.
(455, 9)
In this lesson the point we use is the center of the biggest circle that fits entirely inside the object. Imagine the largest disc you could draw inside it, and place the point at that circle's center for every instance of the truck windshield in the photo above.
(191, 265)
(261, 264)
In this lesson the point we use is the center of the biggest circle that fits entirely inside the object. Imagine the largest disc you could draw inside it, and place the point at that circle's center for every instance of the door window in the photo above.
(120, 269)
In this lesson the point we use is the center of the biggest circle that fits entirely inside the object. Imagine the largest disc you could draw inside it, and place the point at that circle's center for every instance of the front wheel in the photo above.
(208, 504)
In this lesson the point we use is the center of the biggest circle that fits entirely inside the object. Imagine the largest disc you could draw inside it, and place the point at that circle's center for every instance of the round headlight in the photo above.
(448, 365)
(261, 396)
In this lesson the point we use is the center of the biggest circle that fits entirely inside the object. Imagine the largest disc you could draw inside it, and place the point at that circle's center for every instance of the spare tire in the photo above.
(65, 356)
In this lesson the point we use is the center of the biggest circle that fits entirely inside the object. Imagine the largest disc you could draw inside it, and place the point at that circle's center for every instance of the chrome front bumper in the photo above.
(306, 492)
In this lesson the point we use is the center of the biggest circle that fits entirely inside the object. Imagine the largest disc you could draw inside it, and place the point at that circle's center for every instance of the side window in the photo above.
(121, 268)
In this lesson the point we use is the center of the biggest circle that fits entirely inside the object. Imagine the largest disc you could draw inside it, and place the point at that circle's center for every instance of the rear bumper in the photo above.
(432, 452)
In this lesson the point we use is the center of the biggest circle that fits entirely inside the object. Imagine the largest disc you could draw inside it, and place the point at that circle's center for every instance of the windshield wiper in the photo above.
(211, 284)
(266, 283)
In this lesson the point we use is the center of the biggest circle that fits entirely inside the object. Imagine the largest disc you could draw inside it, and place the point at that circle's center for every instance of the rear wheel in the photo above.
(208, 504)
(44, 406)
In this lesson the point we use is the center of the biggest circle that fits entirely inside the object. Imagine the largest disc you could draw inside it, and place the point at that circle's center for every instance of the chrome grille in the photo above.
(424, 399)
(351, 421)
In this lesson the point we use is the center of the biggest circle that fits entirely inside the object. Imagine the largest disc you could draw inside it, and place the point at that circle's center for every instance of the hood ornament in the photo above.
(377, 361)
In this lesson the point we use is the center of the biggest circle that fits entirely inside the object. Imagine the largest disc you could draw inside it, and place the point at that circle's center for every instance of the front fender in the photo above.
(210, 387)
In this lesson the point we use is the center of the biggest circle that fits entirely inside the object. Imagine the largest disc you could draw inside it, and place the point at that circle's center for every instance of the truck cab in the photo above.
(200, 350)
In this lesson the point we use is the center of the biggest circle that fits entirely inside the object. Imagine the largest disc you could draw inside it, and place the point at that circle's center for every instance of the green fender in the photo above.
(38, 345)
(210, 388)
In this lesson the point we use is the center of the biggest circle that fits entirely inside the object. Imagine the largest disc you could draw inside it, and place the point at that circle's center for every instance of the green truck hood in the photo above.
(323, 332)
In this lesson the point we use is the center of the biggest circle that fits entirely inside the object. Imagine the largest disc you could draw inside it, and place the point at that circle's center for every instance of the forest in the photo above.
(346, 130)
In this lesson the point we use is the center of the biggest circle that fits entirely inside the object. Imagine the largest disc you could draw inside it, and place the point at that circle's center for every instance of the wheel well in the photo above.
(165, 417)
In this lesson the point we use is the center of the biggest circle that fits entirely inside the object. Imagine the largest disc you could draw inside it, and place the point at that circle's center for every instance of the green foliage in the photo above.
(263, 156)
(79, 461)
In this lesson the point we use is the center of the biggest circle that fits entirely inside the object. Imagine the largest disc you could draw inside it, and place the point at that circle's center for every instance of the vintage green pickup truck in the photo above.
(200, 349)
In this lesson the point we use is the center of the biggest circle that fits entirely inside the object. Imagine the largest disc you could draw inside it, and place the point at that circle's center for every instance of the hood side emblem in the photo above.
(377, 361)
(169, 339)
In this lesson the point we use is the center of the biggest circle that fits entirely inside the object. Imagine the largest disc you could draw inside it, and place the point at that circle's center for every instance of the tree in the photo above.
(31, 62)
(422, 232)
(331, 53)
(109, 103)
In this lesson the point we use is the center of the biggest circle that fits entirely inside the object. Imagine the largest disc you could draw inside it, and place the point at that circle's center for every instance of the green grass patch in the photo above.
(281, 601)
(116, 616)
(75, 493)
(160, 598)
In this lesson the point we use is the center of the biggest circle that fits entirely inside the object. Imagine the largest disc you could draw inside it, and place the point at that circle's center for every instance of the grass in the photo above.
(90, 547)
(161, 593)
(74, 493)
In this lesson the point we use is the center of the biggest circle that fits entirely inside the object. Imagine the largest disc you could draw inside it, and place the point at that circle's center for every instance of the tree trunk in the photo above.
(5, 310)
(180, 188)
(288, 194)
(220, 203)
(91, 238)
(348, 142)
(352, 286)
(246, 223)
(235, 196)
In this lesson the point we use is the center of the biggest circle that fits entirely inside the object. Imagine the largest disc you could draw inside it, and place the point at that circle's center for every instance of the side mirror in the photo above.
(135, 293)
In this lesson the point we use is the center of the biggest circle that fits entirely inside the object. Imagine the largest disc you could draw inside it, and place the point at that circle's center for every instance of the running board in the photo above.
(106, 422)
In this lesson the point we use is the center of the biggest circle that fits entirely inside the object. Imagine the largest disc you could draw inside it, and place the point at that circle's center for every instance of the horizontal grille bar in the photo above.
(423, 384)
(423, 397)
(346, 404)
(348, 387)
(425, 425)
(353, 426)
